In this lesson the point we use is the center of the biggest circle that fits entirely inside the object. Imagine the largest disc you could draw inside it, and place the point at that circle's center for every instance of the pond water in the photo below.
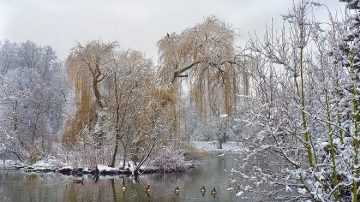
(211, 172)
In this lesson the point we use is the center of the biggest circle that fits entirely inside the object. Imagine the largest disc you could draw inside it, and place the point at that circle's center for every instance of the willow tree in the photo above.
(205, 56)
(86, 68)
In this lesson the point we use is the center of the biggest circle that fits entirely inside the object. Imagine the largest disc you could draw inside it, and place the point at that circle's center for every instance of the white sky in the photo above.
(136, 24)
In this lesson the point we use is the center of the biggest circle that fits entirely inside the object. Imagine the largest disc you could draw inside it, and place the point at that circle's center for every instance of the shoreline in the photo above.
(208, 147)
(80, 171)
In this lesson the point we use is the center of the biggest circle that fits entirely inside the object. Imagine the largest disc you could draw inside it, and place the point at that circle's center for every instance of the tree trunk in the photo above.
(97, 93)
(136, 173)
(124, 153)
(144, 158)
(113, 159)
(15, 116)
(355, 111)
(220, 140)
(332, 147)
(117, 129)
(307, 135)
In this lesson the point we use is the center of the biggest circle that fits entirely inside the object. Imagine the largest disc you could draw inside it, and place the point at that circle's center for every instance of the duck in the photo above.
(177, 190)
(203, 190)
(123, 188)
(147, 189)
(77, 181)
(213, 192)
(237, 189)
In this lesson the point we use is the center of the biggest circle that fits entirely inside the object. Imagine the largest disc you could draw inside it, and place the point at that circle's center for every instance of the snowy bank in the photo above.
(100, 170)
(163, 160)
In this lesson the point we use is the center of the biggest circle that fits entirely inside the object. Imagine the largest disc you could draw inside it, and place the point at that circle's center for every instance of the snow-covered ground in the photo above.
(49, 162)
(10, 164)
(212, 146)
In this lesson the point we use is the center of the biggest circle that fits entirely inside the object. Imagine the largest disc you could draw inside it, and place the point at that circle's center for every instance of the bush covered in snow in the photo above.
(170, 158)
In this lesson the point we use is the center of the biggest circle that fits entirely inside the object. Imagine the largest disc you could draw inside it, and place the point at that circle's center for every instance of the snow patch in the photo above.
(131, 166)
(234, 171)
(247, 187)
(2, 147)
(223, 115)
(104, 168)
(66, 168)
(9, 164)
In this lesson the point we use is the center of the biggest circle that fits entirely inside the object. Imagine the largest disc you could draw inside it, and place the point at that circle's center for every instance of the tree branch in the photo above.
(178, 72)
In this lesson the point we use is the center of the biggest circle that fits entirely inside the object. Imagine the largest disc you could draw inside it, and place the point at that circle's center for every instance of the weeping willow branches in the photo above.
(205, 55)
(85, 69)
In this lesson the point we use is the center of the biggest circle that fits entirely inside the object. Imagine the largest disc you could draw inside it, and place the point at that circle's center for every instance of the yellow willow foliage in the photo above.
(205, 55)
(166, 100)
(84, 68)
(83, 116)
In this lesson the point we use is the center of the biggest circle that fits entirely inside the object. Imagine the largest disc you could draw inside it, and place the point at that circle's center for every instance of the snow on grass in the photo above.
(42, 163)
(49, 162)
(239, 193)
(212, 146)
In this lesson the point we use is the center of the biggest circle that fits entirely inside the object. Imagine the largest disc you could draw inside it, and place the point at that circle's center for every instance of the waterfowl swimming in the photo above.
(76, 181)
(123, 189)
(203, 190)
(237, 189)
(177, 190)
(213, 192)
(148, 190)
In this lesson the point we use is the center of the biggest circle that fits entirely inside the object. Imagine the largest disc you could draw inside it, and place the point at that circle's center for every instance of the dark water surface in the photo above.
(21, 186)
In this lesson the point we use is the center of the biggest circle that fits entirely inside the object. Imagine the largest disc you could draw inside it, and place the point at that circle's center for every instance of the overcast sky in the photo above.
(136, 24)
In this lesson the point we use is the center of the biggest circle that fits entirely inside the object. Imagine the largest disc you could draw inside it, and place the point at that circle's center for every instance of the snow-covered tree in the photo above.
(304, 107)
(33, 94)
(120, 105)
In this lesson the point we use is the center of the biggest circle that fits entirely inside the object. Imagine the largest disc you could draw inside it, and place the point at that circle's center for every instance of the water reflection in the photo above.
(18, 186)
